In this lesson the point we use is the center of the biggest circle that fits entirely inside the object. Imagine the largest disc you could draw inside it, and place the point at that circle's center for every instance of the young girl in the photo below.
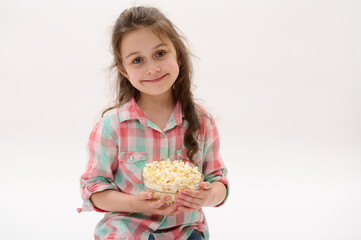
(155, 118)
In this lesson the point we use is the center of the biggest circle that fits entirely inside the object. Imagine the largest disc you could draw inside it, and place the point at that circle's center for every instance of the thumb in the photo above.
(144, 196)
(206, 185)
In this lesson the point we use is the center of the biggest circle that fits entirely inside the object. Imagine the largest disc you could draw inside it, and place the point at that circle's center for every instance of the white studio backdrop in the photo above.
(282, 79)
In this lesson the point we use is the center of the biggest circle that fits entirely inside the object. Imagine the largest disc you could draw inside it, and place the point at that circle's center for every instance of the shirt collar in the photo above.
(176, 117)
(131, 111)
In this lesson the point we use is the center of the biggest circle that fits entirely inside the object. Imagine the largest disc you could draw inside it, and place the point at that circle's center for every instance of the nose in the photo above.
(152, 68)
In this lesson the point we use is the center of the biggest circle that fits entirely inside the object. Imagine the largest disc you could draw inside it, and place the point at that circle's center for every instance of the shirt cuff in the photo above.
(223, 179)
(91, 186)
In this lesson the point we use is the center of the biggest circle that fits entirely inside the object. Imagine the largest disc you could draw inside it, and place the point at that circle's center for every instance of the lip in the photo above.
(155, 80)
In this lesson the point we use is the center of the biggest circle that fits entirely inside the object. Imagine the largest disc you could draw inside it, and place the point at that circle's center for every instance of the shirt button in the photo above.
(83, 185)
(131, 158)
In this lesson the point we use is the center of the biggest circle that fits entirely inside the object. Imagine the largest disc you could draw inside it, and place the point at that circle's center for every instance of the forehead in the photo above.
(142, 40)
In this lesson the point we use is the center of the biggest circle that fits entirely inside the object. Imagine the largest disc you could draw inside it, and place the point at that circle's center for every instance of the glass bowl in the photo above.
(160, 190)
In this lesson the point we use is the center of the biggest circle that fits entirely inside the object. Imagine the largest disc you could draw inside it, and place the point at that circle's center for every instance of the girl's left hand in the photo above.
(190, 200)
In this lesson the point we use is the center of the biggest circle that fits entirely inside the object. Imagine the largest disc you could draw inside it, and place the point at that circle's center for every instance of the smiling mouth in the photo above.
(155, 80)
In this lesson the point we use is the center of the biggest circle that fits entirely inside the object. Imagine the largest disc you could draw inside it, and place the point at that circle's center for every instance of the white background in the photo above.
(282, 79)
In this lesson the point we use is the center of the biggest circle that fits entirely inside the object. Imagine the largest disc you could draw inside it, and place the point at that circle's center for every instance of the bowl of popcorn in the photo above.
(169, 178)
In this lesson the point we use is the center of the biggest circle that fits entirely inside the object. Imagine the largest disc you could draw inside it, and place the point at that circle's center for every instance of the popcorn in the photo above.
(169, 178)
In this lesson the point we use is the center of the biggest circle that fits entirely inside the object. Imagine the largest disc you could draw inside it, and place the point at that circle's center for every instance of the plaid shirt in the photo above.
(119, 147)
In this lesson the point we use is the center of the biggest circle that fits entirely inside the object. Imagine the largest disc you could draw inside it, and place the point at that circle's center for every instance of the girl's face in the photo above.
(149, 63)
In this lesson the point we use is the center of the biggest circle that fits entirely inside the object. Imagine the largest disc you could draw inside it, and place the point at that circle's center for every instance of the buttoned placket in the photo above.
(164, 148)
(164, 143)
(164, 153)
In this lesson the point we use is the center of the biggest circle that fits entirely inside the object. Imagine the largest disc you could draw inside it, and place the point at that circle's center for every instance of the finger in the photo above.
(172, 209)
(189, 201)
(174, 213)
(206, 185)
(191, 193)
(181, 198)
(161, 202)
(183, 208)
(144, 196)
(188, 204)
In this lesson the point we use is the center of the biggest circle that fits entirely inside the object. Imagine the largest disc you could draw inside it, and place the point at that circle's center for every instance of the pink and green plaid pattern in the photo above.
(119, 147)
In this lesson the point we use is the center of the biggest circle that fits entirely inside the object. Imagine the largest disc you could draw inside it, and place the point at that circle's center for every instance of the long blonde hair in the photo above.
(137, 17)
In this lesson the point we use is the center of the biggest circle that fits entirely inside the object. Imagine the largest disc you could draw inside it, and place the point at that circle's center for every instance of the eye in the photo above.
(137, 60)
(160, 53)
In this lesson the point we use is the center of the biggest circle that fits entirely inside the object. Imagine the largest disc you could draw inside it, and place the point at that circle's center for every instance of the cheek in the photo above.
(173, 66)
(177, 70)
(134, 75)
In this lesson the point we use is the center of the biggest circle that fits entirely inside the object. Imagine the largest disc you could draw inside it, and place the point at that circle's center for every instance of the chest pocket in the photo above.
(197, 159)
(131, 165)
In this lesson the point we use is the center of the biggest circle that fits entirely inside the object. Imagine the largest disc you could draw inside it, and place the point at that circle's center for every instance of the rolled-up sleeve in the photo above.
(213, 166)
(102, 163)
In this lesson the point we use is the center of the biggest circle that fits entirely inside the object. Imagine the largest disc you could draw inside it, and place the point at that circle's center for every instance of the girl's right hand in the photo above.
(143, 202)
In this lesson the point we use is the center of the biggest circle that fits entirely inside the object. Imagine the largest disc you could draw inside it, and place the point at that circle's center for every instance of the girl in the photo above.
(154, 118)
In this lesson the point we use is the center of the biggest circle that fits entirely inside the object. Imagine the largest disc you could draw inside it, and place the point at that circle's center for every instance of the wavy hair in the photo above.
(138, 17)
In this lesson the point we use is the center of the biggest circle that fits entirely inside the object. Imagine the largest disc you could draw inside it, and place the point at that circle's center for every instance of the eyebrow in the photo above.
(135, 53)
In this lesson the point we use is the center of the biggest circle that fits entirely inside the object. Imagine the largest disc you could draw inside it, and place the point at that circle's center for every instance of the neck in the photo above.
(148, 102)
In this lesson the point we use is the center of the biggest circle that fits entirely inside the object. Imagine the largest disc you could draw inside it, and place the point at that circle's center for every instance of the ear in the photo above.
(122, 71)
